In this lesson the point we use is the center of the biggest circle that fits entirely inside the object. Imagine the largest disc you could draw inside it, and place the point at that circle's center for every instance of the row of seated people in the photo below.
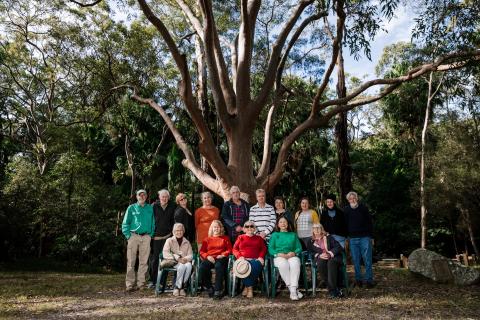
(250, 251)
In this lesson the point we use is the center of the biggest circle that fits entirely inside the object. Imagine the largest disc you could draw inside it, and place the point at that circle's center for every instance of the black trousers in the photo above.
(205, 273)
(329, 272)
(156, 248)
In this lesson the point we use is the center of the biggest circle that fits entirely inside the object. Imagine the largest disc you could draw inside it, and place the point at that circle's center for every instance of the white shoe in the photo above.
(176, 292)
(299, 295)
(294, 296)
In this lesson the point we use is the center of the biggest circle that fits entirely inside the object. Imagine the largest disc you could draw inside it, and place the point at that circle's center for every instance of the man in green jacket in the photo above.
(138, 227)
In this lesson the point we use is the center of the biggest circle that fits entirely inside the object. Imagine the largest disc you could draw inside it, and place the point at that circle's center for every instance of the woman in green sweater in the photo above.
(284, 246)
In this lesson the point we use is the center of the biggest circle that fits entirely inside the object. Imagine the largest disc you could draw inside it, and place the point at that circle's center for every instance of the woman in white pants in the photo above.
(284, 246)
(178, 253)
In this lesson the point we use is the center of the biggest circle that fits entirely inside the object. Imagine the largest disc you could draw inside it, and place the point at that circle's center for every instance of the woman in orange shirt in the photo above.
(204, 217)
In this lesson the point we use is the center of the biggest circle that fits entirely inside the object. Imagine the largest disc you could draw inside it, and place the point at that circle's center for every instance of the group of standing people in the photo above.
(247, 232)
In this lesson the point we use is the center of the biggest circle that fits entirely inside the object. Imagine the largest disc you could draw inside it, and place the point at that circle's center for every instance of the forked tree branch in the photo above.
(347, 103)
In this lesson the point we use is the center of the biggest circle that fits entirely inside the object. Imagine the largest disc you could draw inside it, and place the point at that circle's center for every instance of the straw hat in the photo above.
(241, 268)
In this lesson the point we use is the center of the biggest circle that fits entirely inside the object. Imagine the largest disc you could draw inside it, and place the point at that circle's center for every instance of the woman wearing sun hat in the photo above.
(250, 248)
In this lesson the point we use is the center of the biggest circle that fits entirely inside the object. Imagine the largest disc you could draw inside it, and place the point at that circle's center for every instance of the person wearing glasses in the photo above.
(250, 247)
(284, 246)
(234, 214)
(215, 249)
(184, 216)
(204, 216)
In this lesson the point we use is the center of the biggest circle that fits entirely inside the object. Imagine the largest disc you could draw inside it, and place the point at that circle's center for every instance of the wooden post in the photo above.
(404, 261)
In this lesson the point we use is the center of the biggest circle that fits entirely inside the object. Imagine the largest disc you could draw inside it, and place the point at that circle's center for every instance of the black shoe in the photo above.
(370, 284)
(210, 292)
(358, 283)
(218, 295)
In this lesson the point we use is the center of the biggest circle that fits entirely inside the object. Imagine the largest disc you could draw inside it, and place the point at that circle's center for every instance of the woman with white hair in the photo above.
(178, 253)
(327, 253)
(204, 216)
(234, 214)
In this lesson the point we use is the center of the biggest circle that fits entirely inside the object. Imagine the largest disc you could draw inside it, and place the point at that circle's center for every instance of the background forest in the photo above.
(72, 150)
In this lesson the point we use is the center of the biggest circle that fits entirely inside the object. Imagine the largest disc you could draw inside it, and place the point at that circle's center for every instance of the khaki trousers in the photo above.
(141, 245)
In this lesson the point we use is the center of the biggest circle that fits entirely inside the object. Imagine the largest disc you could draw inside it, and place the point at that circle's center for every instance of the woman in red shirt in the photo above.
(204, 217)
(251, 247)
(214, 251)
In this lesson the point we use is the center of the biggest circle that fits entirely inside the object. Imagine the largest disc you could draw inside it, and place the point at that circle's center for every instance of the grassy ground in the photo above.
(399, 295)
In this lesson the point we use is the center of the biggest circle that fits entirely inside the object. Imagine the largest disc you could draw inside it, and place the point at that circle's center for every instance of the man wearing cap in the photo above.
(138, 227)
(163, 213)
(333, 220)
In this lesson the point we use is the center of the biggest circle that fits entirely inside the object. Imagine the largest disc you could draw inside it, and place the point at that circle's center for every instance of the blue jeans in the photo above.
(254, 273)
(361, 248)
(339, 239)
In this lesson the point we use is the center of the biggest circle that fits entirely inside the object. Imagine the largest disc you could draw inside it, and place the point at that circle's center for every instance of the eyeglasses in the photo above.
(249, 226)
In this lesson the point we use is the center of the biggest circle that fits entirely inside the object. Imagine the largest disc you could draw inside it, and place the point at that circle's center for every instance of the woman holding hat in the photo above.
(327, 254)
(284, 246)
(249, 248)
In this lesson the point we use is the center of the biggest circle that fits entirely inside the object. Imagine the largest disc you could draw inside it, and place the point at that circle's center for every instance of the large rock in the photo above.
(441, 269)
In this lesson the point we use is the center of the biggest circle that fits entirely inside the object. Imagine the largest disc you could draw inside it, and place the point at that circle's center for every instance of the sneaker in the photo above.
(182, 293)
(218, 295)
(294, 296)
(151, 285)
(299, 295)
(176, 292)
(370, 284)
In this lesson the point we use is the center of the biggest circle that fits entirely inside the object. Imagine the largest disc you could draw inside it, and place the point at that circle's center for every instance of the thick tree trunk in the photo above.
(344, 170)
(240, 161)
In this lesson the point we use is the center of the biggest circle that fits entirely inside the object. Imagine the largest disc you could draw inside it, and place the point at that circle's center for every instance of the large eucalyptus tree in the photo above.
(241, 90)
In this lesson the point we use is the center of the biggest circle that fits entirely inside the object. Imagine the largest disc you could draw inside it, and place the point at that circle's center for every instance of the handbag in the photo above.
(167, 263)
